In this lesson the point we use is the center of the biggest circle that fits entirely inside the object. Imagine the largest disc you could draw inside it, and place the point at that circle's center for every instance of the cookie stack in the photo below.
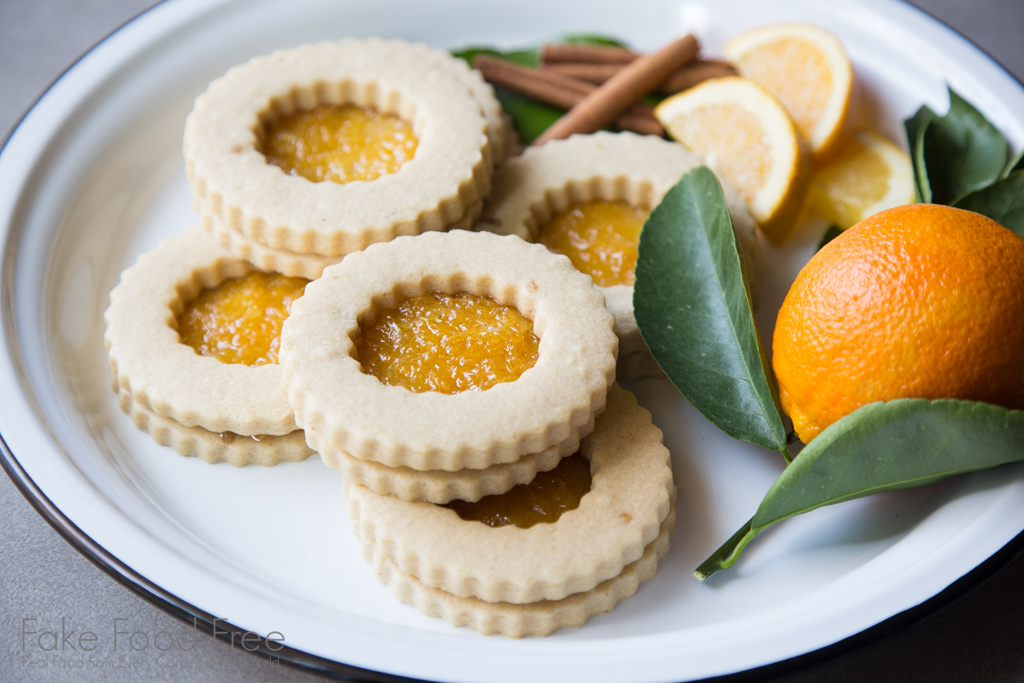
(194, 403)
(533, 581)
(405, 451)
(272, 215)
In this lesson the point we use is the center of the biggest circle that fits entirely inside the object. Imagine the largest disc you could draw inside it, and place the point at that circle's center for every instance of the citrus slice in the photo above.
(808, 70)
(868, 175)
(743, 133)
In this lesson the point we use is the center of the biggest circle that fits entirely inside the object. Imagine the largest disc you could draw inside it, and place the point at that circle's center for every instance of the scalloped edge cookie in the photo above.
(231, 178)
(631, 493)
(309, 266)
(500, 133)
(165, 376)
(540, 618)
(265, 449)
(345, 409)
(439, 486)
(543, 181)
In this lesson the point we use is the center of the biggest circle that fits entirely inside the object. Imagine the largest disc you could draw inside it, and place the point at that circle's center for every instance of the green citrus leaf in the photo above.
(963, 152)
(1002, 201)
(915, 126)
(529, 117)
(527, 57)
(1014, 164)
(882, 447)
(692, 309)
(588, 39)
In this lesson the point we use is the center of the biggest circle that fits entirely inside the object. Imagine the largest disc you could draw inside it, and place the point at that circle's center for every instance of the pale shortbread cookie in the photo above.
(438, 486)
(529, 190)
(630, 496)
(230, 177)
(165, 376)
(309, 266)
(500, 134)
(534, 618)
(348, 410)
(212, 447)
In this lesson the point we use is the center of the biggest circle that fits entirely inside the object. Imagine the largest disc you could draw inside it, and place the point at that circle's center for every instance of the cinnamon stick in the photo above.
(591, 54)
(573, 53)
(716, 60)
(694, 73)
(686, 77)
(612, 98)
(560, 91)
(591, 72)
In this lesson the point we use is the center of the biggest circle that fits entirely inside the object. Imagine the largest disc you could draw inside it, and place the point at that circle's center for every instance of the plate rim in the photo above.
(174, 605)
(189, 614)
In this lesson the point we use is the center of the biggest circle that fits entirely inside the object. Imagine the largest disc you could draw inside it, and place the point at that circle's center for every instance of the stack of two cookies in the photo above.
(211, 393)
(396, 382)
(299, 157)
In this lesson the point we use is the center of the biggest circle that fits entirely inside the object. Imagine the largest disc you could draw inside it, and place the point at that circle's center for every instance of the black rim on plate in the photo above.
(194, 616)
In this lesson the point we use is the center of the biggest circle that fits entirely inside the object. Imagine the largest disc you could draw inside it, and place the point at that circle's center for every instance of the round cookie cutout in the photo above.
(639, 169)
(630, 496)
(342, 408)
(165, 376)
(231, 179)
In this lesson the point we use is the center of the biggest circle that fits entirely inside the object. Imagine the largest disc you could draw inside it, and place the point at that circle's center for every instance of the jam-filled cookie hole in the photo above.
(339, 143)
(239, 320)
(447, 343)
(338, 132)
(599, 236)
(542, 501)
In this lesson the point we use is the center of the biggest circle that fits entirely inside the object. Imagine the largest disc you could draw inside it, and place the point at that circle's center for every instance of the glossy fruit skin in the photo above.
(919, 301)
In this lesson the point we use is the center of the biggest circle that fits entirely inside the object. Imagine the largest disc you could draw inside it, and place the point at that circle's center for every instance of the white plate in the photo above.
(93, 177)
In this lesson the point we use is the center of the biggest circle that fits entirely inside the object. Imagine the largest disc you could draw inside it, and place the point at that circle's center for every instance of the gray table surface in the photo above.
(978, 638)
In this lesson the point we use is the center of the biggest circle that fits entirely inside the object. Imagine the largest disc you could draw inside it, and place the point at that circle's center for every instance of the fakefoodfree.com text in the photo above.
(122, 646)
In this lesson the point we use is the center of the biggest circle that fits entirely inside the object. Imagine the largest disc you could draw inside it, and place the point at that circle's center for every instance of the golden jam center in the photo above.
(339, 143)
(543, 500)
(239, 321)
(599, 237)
(448, 343)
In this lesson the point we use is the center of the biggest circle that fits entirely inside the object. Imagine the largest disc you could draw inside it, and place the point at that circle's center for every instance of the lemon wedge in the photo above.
(744, 134)
(868, 175)
(807, 69)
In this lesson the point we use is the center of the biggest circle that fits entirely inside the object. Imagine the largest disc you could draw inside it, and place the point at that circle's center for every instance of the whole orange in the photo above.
(919, 301)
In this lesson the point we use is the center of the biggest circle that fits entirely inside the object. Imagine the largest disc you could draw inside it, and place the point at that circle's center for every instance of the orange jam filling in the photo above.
(239, 321)
(599, 237)
(340, 144)
(543, 500)
(448, 343)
